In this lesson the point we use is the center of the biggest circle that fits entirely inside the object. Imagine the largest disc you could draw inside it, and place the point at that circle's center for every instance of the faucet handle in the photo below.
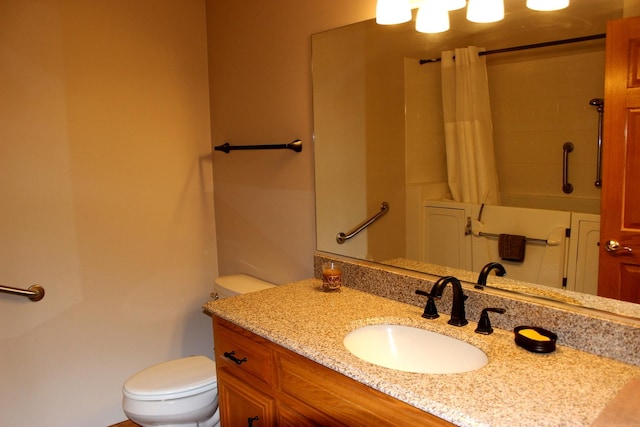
(484, 324)
(430, 310)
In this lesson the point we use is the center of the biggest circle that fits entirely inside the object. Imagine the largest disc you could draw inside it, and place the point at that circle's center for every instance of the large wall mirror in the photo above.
(381, 135)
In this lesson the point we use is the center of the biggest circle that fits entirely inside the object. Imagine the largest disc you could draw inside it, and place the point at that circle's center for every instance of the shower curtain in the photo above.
(471, 161)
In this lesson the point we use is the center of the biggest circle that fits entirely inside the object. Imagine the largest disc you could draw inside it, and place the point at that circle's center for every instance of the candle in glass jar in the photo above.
(331, 276)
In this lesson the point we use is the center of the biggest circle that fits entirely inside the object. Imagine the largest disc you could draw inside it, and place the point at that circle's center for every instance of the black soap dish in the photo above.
(535, 339)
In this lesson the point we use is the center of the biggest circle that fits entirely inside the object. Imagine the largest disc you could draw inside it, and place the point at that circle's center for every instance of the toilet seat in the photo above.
(174, 379)
(182, 392)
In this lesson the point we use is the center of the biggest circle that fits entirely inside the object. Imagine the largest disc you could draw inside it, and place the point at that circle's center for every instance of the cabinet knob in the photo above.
(251, 420)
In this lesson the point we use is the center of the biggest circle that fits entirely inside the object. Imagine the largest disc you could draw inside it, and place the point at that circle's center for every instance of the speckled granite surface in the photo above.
(578, 327)
(516, 388)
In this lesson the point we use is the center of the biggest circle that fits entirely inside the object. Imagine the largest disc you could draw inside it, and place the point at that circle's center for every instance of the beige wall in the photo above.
(339, 112)
(260, 72)
(107, 201)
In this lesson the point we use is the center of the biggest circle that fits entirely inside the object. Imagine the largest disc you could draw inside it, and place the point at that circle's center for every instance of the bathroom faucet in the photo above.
(482, 278)
(458, 317)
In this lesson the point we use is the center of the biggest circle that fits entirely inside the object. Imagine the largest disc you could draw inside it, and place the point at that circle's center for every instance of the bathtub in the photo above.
(561, 247)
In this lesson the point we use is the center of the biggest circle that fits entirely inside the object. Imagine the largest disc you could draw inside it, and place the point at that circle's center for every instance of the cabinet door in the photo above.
(445, 240)
(241, 405)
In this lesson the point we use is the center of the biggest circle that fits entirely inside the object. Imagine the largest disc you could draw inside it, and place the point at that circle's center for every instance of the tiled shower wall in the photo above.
(539, 102)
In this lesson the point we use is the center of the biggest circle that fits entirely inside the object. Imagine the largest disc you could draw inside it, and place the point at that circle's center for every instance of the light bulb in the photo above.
(484, 11)
(432, 17)
(545, 5)
(389, 12)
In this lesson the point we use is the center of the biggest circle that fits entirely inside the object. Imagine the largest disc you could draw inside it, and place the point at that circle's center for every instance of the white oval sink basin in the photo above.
(409, 349)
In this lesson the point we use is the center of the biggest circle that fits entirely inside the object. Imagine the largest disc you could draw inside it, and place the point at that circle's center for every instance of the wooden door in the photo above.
(619, 272)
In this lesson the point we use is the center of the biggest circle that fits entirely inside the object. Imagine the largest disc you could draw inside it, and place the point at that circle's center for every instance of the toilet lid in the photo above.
(173, 379)
(238, 284)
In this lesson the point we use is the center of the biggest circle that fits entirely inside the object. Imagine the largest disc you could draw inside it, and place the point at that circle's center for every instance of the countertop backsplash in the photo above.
(588, 330)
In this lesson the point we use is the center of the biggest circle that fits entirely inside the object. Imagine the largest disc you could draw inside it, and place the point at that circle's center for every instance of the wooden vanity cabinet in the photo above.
(263, 384)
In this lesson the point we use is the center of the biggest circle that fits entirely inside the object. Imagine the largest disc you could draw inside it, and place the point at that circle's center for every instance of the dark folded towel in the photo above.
(511, 247)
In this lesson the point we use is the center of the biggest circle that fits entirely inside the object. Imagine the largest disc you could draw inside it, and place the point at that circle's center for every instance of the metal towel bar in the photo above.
(34, 293)
(294, 145)
(527, 239)
(343, 237)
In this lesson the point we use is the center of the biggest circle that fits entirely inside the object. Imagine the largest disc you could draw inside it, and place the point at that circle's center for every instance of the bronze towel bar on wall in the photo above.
(294, 145)
(34, 293)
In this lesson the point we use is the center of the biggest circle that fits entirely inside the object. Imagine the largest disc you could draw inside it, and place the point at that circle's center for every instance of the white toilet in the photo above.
(182, 392)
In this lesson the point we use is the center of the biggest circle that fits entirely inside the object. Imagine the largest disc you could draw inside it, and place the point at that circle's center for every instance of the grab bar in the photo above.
(566, 149)
(294, 145)
(34, 293)
(342, 237)
(527, 239)
(599, 103)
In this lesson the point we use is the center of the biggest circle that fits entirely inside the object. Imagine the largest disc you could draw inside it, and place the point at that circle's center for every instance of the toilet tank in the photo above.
(236, 284)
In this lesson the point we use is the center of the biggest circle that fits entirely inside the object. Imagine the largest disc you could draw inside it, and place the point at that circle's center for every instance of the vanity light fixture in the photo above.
(484, 11)
(546, 5)
(432, 17)
(389, 12)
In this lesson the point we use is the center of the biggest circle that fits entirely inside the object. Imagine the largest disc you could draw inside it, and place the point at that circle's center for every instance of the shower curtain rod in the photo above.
(527, 46)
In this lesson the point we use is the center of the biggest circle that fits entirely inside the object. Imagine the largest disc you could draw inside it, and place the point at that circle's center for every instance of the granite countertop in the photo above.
(567, 387)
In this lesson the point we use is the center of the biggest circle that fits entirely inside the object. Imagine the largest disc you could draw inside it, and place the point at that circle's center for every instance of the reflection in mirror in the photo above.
(381, 135)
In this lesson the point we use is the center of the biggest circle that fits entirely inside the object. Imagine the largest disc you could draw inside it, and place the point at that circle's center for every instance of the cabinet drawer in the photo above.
(242, 353)
(343, 399)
